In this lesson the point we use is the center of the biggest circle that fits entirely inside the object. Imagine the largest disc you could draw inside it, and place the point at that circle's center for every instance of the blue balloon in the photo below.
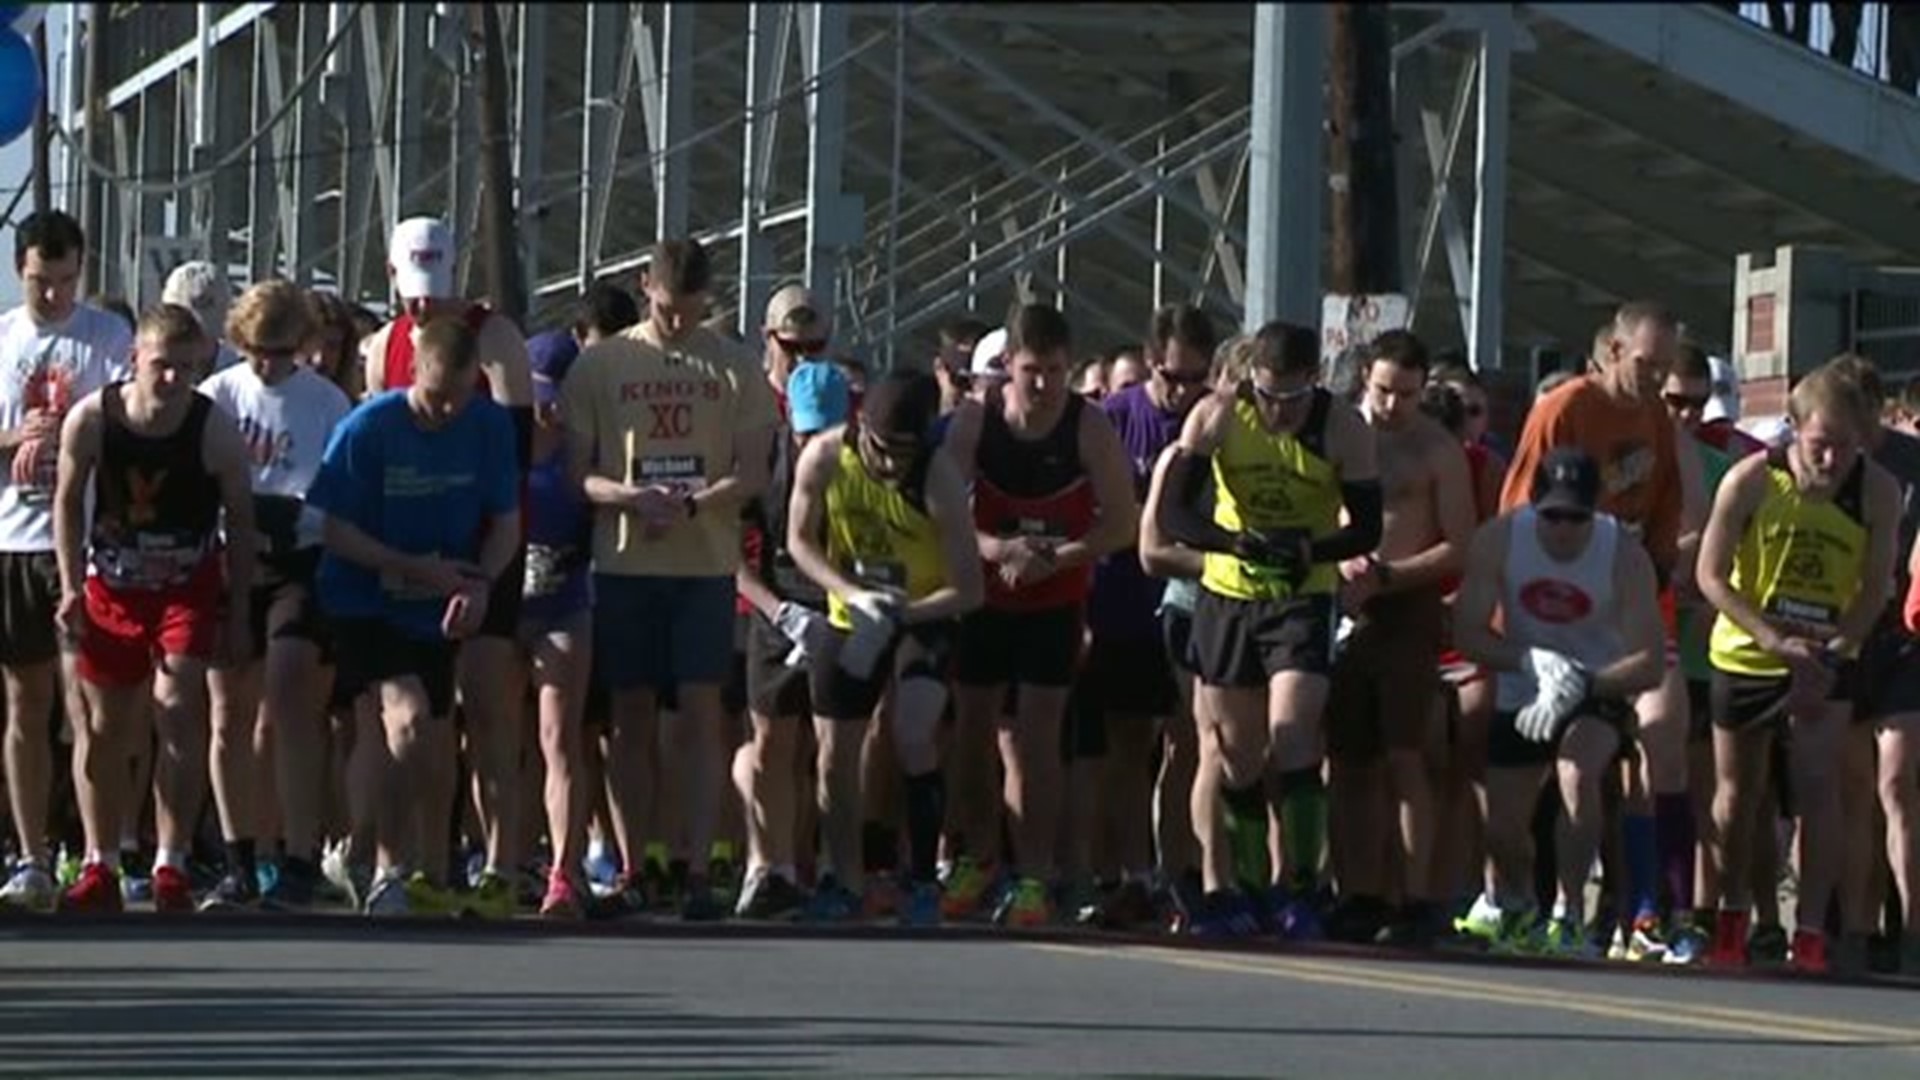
(19, 86)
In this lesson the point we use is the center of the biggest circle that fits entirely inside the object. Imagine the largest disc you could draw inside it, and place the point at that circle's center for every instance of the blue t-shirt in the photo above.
(416, 491)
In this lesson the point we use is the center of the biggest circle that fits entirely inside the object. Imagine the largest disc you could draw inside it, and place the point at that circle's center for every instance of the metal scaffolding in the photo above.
(917, 162)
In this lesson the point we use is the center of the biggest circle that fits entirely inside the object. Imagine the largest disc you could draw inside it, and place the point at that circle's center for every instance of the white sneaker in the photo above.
(388, 896)
(354, 881)
(30, 888)
(749, 889)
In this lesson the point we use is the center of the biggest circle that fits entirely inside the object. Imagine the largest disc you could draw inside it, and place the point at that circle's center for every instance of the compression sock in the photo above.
(1247, 834)
(1643, 865)
(926, 810)
(1303, 825)
(1673, 821)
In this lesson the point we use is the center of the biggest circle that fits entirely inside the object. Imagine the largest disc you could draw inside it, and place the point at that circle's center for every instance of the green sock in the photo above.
(1303, 825)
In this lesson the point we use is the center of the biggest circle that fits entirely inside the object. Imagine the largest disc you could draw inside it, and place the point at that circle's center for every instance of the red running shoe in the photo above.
(1809, 952)
(1729, 940)
(171, 893)
(95, 892)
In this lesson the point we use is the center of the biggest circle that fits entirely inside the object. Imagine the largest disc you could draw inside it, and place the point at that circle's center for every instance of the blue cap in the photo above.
(550, 354)
(817, 397)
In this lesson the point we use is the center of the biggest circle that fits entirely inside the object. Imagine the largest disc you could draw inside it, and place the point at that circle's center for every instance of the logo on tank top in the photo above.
(1552, 600)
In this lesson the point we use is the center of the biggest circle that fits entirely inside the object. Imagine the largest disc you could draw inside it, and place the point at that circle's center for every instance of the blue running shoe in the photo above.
(1227, 913)
(832, 903)
(923, 906)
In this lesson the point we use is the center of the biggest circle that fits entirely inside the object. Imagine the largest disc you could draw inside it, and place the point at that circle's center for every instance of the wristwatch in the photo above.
(692, 504)
(1382, 573)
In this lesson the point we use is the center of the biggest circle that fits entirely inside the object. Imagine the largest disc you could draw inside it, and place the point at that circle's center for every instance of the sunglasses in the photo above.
(1565, 517)
(799, 348)
(1282, 397)
(1476, 410)
(1185, 378)
(1685, 401)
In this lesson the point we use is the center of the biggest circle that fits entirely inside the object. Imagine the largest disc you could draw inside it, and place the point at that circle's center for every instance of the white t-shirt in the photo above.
(50, 367)
(286, 427)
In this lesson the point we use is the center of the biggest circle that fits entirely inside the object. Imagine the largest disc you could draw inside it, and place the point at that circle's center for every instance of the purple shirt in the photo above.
(1125, 600)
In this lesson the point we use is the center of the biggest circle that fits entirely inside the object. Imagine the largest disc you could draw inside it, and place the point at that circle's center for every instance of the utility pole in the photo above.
(93, 191)
(1362, 197)
(42, 131)
(501, 251)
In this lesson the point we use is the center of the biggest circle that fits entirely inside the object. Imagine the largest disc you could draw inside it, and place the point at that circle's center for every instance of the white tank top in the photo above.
(1568, 607)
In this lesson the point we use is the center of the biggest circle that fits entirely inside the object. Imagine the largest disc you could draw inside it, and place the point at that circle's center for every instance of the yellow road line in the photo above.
(1420, 984)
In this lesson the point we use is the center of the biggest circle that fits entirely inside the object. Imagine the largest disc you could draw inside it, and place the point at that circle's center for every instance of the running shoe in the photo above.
(493, 897)
(1295, 916)
(171, 893)
(1227, 913)
(1025, 906)
(235, 892)
(1687, 945)
(1910, 956)
(28, 888)
(136, 877)
(95, 891)
(1126, 908)
(426, 898)
(561, 901)
(1357, 919)
(66, 869)
(1482, 921)
(1768, 946)
(265, 873)
(1521, 933)
(602, 871)
(832, 903)
(699, 902)
(770, 897)
(922, 908)
(1729, 949)
(1645, 943)
(966, 888)
(387, 896)
(351, 878)
(1809, 952)
(880, 899)
(1564, 939)
(627, 899)
(1848, 956)
(292, 889)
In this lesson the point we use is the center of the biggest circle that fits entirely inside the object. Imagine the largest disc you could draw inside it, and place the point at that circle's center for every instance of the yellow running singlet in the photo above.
(1266, 480)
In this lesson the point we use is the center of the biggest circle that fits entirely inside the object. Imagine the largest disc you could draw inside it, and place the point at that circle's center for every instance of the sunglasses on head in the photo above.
(1687, 401)
(1566, 517)
(1283, 397)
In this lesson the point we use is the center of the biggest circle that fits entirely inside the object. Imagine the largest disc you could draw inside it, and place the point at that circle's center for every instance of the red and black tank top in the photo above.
(156, 508)
(1039, 488)
(397, 366)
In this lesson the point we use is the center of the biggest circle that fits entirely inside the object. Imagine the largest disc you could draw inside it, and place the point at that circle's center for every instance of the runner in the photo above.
(1052, 494)
(1128, 679)
(421, 526)
(952, 365)
(201, 288)
(789, 614)
(1382, 734)
(1283, 459)
(1614, 414)
(285, 412)
(1578, 635)
(604, 310)
(879, 520)
(556, 623)
(54, 351)
(492, 678)
(1798, 558)
(155, 465)
(1882, 755)
(670, 427)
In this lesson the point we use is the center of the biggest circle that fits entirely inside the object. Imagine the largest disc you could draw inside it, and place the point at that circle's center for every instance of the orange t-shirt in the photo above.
(1633, 444)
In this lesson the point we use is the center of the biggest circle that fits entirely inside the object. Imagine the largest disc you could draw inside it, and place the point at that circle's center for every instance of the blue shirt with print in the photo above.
(417, 491)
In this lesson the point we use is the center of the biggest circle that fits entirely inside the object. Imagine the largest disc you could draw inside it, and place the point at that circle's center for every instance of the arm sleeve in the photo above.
(1180, 514)
(1361, 533)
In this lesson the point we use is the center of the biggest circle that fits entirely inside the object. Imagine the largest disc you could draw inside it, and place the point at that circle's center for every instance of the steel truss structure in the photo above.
(921, 161)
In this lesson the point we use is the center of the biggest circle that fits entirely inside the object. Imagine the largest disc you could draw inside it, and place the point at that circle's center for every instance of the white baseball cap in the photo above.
(421, 258)
(990, 356)
(201, 288)
(1725, 402)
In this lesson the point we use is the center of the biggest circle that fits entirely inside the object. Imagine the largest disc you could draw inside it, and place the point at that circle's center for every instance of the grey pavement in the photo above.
(335, 996)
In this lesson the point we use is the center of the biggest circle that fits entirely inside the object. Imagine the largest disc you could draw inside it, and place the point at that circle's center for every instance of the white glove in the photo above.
(874, 620)
(800, 625)
(1561, 685)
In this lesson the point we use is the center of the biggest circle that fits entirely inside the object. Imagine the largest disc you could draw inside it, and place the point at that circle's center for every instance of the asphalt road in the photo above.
(143, 997)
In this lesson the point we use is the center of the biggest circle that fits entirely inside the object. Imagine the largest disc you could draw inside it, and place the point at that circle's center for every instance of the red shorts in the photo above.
(128, 629)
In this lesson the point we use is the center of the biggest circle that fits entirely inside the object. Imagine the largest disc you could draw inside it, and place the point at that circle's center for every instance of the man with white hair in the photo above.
(421, 257)
(201, 288)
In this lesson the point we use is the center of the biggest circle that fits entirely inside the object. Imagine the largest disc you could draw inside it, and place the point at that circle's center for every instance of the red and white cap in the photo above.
(420, 256)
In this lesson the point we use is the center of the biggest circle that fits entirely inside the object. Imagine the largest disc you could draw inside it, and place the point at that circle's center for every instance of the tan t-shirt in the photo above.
(666, 415)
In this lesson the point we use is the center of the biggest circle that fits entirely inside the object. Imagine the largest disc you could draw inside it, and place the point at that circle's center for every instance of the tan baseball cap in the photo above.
(792, 315)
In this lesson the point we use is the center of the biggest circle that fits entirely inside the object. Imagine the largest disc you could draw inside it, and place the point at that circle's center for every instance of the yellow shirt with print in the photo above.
(666, 414)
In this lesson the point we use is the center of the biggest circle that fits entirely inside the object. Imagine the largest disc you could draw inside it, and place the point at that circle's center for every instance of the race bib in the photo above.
(683, 474)
(548, 569)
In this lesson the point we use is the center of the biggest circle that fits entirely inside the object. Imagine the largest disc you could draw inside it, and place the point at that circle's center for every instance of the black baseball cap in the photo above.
(1567, 479)
(902, 405)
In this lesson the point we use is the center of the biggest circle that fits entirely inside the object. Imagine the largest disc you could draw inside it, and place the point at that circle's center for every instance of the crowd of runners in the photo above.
(631, 617)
